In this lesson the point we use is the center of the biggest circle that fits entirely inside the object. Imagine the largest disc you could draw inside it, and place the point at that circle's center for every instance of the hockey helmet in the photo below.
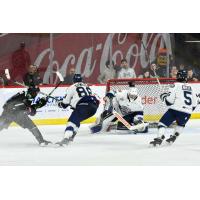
(77, 78)
(181, 76)
(133, 93)
(32, 92)
(110, 94)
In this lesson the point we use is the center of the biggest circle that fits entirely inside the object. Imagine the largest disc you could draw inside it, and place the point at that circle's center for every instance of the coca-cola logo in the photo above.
(115, 47)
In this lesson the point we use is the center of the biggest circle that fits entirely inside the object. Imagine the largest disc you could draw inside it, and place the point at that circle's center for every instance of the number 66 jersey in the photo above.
(182, 97)
(77, 92)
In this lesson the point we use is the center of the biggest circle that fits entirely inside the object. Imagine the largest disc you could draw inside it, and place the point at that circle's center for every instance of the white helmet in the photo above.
(133, 93)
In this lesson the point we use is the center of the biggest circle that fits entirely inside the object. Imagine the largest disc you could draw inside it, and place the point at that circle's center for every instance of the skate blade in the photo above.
(46, 145)
(154, 146)
(59, 145)
(168, 143)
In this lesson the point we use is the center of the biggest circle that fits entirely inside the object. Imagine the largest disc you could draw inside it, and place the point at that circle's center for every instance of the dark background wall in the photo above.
(187, 53)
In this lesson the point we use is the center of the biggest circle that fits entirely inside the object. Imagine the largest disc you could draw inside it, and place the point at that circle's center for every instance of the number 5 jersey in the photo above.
(182, 97)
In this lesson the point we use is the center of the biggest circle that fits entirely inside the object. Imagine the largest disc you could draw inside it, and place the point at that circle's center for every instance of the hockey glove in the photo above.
(31, 111)
(42, 102)
(62, 105)
(163, 96)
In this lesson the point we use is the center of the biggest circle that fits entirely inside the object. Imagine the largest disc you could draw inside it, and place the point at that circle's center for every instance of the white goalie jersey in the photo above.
(125, 105)
(182, 97)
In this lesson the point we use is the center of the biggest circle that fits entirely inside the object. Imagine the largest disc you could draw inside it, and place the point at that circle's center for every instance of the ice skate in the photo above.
(172, 138)
(157, 141)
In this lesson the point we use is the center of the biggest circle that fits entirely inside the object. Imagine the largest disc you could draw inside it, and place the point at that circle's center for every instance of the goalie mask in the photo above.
(132, 93)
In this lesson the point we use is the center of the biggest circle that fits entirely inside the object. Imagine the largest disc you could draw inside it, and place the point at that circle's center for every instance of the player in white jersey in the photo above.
(84, 104)
(127, 103)
(181, 100)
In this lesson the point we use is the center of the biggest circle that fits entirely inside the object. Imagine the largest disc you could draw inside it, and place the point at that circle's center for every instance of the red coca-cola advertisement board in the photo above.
(87, 52)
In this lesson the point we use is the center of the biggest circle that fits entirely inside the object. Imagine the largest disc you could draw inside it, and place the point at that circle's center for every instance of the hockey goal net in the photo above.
(149, 90)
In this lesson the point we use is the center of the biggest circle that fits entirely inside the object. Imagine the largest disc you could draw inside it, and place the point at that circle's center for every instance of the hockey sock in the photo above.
(161, 130)
(70, 130)
(178, 129)
(35, 131)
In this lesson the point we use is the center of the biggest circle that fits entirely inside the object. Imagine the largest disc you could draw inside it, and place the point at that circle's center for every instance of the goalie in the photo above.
(128, 104)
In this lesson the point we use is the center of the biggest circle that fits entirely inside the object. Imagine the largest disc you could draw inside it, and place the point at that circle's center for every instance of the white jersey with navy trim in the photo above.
(182, 97)
(75, 93)
(124, 105)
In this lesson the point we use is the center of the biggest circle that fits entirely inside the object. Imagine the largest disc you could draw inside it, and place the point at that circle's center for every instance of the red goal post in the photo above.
(149, 90)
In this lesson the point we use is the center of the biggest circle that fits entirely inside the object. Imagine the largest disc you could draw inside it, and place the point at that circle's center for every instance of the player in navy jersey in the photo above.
(83, 103)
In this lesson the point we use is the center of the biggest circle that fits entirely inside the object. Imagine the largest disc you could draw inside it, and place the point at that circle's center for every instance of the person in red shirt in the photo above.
(20, 62)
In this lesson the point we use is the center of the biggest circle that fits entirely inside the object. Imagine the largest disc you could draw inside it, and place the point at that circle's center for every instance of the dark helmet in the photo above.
(32, 92)
(181, 76)
(77, 78)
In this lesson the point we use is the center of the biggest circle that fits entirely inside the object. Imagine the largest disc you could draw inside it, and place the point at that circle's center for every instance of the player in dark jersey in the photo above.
(18, 108)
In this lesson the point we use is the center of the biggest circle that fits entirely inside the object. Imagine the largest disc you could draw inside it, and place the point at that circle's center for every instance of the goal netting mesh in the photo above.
(149, 90)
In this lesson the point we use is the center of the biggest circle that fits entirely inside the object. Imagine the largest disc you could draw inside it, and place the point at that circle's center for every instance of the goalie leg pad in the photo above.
(107, 121)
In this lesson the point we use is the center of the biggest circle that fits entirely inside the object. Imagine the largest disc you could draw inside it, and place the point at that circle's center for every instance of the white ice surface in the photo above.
(18, 147)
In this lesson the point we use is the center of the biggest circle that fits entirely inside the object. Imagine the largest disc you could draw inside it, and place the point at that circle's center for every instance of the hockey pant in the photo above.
(23, 120)
(171, 115)
(82, 112)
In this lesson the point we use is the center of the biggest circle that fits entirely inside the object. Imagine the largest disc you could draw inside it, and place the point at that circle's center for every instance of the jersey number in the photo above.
(188, 100)
(83, 91)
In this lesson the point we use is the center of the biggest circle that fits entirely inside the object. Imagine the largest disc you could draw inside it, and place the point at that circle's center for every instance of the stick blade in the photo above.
(60, 76)
(7, 73)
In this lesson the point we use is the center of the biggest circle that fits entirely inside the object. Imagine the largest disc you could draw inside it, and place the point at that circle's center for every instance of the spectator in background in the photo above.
(126, 71)
(146, 74)
(173, 72)
(182, 67)
(32, 77)
(161, 62)
(191, 75)
(108, 73)
(154, 70)
(69, 77)
(20, 62)
(3, 80)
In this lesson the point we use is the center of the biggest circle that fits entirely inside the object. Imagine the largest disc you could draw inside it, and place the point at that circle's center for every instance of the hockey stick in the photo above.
(157, 79)
(123, 121)
(149, 61)
(61, 80)
(7, 73)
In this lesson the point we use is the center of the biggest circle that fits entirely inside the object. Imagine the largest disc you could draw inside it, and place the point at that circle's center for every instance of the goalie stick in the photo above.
(123, 121)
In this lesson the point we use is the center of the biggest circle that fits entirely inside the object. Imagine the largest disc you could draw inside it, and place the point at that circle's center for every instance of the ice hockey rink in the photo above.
(18, 147)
